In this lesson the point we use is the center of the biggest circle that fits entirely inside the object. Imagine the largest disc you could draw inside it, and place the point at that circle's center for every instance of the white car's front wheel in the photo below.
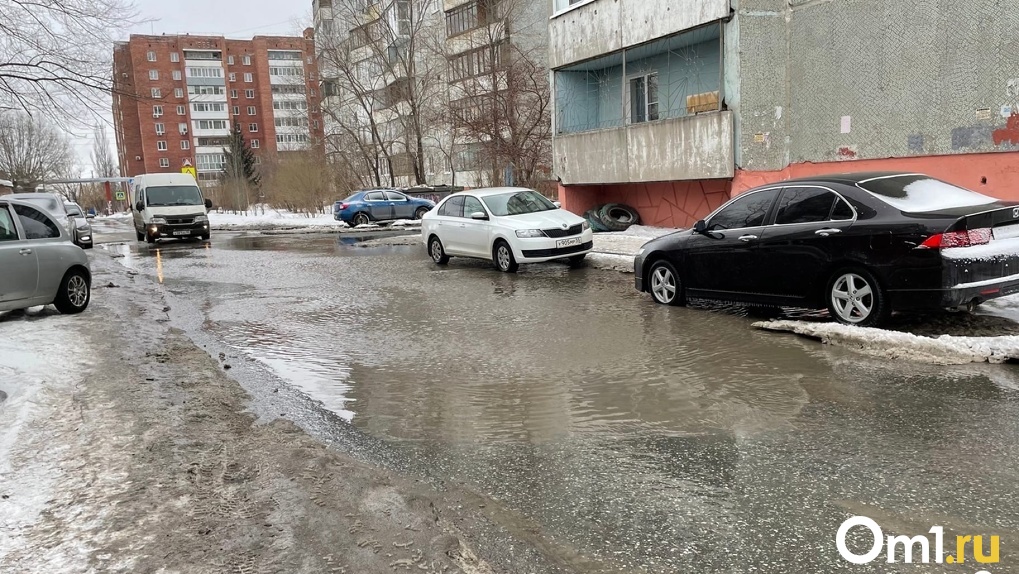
(503, 257)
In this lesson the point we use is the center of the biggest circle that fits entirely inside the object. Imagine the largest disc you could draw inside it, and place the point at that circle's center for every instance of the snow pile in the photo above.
(943, 350)
(272, 220)
(627, 243)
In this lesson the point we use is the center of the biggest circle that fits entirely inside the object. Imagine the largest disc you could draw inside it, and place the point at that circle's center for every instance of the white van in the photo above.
(169, 206)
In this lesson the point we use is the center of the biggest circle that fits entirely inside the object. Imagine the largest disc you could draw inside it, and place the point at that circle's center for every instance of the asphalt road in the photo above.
(617, 434)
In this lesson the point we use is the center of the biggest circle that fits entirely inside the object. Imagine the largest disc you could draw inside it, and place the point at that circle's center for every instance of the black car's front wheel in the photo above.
(855, 297)
(665, 284)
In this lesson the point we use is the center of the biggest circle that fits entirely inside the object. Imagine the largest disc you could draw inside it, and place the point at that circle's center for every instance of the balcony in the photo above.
(581, 31)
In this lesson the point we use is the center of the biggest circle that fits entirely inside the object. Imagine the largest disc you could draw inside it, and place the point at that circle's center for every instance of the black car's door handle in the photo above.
(827, 232)
(748, 238)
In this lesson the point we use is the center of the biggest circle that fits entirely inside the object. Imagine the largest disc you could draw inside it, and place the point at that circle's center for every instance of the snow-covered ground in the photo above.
(895, 345)
(615, 250)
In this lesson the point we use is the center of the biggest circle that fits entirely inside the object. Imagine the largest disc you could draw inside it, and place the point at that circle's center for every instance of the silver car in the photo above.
(81, 227)
(40, 265)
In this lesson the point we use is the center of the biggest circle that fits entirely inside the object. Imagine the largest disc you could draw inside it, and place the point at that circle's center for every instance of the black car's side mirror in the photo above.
(208, 204)
(700, 226)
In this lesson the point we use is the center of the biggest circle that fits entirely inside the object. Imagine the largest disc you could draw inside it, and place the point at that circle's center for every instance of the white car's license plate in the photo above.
(567, 242)
(185, 232)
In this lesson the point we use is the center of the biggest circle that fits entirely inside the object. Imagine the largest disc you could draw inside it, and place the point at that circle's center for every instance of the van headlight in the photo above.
(530, 233)
(202, 219)
(158, 221)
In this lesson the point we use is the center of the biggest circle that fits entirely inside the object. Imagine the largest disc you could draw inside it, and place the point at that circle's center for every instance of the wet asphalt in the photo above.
(639, 437)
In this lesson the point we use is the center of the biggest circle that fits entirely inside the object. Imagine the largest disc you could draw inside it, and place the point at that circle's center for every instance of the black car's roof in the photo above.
(851, 178)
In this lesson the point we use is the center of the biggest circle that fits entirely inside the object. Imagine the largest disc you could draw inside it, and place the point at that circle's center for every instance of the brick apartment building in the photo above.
(176, 99)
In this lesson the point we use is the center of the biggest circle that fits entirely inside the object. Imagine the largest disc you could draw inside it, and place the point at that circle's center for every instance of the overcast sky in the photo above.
(231, 18)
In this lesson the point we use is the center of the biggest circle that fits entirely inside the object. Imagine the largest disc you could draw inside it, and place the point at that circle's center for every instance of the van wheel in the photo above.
(74, 294)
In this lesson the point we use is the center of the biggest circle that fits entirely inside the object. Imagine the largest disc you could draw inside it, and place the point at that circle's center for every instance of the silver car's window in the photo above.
(49, 204)
(472, 205)
(35, 223)
(75, 211)
(8, 232)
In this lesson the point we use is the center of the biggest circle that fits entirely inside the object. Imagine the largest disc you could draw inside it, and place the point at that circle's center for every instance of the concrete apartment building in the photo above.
(177, 97)
(673, 106)
(372, 52)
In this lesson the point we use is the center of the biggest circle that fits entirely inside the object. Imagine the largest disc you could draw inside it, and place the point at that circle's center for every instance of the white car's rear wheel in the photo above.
(437, 252)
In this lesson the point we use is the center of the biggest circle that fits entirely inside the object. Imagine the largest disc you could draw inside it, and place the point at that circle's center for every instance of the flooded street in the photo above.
(616, 434)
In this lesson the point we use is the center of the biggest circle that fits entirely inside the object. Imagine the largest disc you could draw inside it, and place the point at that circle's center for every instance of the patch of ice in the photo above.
(406, 223)
(943, 350)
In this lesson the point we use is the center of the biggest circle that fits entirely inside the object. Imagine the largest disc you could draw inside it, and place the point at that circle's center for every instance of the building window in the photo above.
(164, 162)
(150, 56)
(185, 144)
(289, 105)
(403, 17)
(285, 55)
(157, 93)
(174, 57)
(178, 92)
(177, 75)
(161, 145)
(292, 138)
(252, 128)
(251, 110)
(286, 71)
(160, 129)
(230, 60)
(213, 124)
(210, 161)
(284, 89)
(153, 75)
(291, 122)
(248, 77)
(181, 110)
(182, 128)
(644, 98)
(255, 144)
(473, 15)
(233, 94)
(250, 94)
(247, 60)
(206, 90)
(208, 107)
(237, 110)
(233, 77)
(157, 111)
(204, 72)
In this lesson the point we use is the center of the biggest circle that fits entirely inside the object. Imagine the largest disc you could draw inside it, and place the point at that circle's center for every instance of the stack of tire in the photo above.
(612, 217)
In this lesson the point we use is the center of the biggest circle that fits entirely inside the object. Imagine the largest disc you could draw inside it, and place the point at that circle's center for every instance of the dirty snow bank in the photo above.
(943, 350)
(616, 250)
(272, 220)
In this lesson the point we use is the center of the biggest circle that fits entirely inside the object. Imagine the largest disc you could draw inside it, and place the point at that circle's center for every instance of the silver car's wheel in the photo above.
(855, 298)
(74, 293)
(665, 285)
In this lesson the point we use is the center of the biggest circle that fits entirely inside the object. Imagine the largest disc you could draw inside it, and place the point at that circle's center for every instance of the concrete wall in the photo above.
(695, 147)
(605, 26)
(840, 80)
(662, 204)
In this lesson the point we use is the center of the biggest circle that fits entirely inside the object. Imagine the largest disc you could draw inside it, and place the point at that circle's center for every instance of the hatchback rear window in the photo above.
(922, 194)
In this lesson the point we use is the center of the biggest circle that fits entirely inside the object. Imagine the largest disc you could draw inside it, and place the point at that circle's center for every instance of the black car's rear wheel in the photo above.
(665, 284)
(855, 297)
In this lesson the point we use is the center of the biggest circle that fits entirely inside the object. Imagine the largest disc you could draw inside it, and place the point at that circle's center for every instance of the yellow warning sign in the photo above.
(190, 170)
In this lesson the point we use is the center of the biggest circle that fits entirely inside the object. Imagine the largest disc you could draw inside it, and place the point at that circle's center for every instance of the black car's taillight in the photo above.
(957, 239)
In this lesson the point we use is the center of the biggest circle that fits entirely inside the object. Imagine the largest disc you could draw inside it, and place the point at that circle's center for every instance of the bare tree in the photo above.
(33, 150)
(55, 57)
(102, 157)
(297, 181)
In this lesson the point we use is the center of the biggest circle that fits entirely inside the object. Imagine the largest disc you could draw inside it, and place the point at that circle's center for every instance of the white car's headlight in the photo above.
(530, 233)
(585, 225)
(158, 221)
(201, 219)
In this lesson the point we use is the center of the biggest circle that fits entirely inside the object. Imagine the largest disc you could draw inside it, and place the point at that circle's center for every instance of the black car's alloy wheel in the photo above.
(436, 251)
(665, 285)
(361, 219)
(855, 298)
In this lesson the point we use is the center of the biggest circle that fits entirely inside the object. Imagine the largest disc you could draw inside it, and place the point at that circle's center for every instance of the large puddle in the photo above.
(644, 438)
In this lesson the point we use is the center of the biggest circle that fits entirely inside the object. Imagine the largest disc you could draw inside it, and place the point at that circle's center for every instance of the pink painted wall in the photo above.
(682, 203)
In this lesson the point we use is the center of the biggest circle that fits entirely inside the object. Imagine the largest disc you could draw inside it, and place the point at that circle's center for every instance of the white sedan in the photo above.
(507, 225)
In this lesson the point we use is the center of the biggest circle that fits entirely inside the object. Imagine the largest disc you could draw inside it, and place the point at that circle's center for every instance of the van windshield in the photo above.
(170, 195)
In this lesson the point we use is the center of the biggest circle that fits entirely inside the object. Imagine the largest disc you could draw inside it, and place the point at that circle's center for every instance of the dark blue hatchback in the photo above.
(379, 205)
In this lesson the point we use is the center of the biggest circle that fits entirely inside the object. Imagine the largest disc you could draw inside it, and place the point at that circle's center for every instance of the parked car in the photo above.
(40, 263)
(507, 225)
(861, 245)
(364, 207)
(81, 227)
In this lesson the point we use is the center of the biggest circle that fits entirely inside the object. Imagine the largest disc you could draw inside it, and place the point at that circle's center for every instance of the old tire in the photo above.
(502, 255)
(421, 211)
(75, 292)
(594, 219)
(665, 285)
(855, 297)
(437, 252)
(361, 218)
(617, 216)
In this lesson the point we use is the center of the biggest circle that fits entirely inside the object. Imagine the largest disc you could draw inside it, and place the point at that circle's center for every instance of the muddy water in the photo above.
(619, 435)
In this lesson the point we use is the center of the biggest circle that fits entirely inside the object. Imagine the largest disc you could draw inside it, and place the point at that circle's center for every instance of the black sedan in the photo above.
(861, 244)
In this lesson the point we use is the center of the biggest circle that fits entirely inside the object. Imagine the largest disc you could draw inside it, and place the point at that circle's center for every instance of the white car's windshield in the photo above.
(517, 203)
(171, 195)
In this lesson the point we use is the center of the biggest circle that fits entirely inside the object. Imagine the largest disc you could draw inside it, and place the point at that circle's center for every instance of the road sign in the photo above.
(121, 196)
(186, 162)
(190, 170)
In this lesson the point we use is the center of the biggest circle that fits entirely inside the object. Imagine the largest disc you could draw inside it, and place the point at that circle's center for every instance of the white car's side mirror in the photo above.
(557, 204)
